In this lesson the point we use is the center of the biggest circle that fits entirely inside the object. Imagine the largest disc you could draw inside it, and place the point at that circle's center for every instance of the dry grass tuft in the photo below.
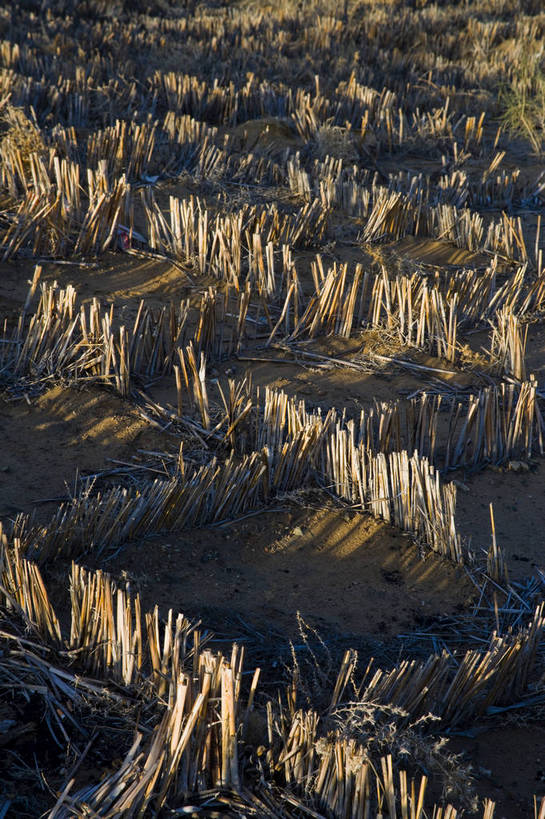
(19, 132)
(332, 140)
(378, 729)
(386, 730)
(523, 102)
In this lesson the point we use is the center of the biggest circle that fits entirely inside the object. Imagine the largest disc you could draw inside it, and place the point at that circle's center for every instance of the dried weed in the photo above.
(19, 131)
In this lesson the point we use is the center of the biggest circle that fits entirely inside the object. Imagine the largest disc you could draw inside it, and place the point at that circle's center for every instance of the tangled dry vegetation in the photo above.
(266, 260)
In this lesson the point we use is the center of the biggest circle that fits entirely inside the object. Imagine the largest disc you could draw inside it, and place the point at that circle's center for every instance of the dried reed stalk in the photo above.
(508, 344)
(496, 565)
(22, 589)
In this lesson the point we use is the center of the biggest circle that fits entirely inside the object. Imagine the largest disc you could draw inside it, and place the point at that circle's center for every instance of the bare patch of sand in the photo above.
(66, 432)
(344, 571)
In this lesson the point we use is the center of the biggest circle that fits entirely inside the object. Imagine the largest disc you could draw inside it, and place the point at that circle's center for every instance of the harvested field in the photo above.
(272, 301)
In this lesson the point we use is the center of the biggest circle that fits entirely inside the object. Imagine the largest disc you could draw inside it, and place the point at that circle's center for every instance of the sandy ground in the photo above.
(509, 764)
(346, 573)
(518, 500)
(66, 433)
